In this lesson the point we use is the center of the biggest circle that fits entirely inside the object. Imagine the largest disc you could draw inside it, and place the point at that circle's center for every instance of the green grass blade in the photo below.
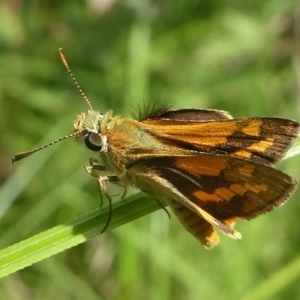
(62, 237)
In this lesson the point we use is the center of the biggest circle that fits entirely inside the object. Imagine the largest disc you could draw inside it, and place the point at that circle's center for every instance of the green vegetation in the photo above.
(237, 56)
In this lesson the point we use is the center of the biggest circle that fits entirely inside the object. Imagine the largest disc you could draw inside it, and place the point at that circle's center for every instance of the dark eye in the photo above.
(93, 141)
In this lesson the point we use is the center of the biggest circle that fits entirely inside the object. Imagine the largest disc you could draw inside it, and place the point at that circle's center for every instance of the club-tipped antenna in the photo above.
(22, 155)
(73, 78)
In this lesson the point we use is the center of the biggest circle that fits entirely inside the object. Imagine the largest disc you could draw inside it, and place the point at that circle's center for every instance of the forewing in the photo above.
(263, 140)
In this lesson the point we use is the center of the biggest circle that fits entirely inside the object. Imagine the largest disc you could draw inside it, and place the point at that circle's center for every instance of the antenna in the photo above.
(73, 78)
(22, 155)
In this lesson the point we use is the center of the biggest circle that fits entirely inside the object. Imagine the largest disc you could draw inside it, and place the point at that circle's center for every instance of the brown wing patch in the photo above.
(194, 115)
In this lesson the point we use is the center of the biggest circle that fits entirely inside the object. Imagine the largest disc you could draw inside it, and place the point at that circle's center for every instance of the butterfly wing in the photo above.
(264, 140)
(218, 189)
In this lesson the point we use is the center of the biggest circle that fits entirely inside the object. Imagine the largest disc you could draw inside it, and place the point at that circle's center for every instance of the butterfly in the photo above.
(211, 169)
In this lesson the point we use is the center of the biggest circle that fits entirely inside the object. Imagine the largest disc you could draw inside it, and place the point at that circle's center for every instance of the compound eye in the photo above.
(93, 141)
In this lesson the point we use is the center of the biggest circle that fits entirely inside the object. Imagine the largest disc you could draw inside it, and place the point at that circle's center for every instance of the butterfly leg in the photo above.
(98, 171)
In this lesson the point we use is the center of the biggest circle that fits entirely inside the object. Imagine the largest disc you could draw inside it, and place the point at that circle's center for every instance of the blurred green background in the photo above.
(239, 56)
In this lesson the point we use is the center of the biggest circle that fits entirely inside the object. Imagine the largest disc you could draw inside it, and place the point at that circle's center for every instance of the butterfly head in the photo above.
(87, 128)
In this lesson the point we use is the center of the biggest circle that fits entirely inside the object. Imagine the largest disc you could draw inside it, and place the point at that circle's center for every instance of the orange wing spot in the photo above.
(207, 140)
(207, 197)
(263, 187)
(224, 193)
(253, 128)
(204, 166)
(238, 189)
(262, 145)
(256, 188)
(247, 170)
(242, 153)
(209, 133)
(231, 222)
(215, 133)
